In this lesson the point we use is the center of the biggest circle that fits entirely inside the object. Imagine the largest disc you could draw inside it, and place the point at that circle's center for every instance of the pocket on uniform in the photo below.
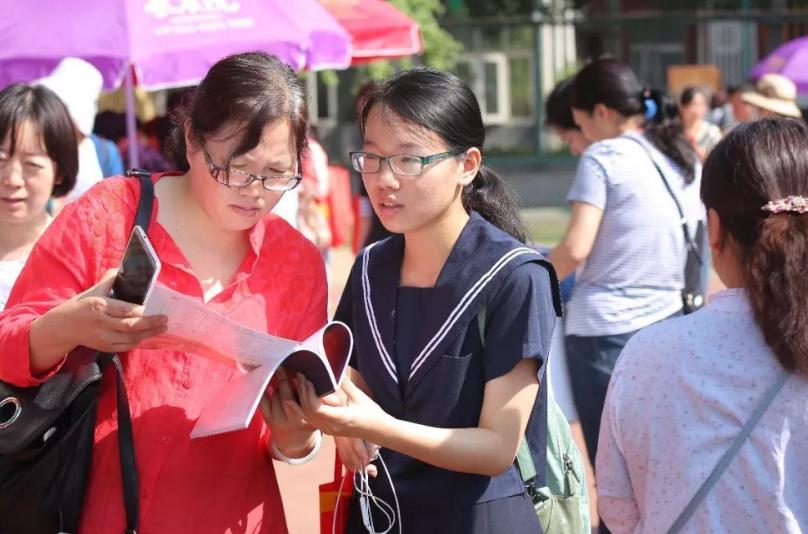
(460, 356)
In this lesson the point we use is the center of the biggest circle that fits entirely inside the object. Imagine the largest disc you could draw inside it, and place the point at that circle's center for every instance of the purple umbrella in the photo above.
(169, 43)
(790, 60)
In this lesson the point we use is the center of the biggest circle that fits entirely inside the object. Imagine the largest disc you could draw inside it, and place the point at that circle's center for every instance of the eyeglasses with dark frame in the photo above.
(238, 178)
(400, 164)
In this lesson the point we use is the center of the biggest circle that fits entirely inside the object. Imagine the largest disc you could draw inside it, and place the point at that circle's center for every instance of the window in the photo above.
(322, 99)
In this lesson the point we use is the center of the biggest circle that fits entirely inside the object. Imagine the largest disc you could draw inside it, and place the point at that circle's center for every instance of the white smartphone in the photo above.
(139, 270)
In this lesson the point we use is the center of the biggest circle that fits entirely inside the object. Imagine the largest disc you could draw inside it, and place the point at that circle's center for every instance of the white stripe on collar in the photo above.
(387, 361)
(464, 303)
(444, 330)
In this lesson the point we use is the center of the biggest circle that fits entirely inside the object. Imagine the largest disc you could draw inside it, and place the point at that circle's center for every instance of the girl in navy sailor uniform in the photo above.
(447, 403)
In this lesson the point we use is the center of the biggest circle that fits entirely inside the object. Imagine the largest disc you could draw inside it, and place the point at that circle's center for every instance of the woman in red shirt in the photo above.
(238, 145)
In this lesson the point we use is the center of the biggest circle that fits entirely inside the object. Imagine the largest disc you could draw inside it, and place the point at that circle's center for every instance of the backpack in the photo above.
(563, 504)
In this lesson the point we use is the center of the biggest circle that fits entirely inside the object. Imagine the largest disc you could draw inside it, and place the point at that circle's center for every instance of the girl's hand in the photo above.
(291, 433)
(357, 454)
(349, 412)
(93, 320)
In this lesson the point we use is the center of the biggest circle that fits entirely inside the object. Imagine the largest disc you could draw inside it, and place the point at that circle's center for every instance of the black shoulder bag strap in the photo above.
(126, 444)
(688, 240)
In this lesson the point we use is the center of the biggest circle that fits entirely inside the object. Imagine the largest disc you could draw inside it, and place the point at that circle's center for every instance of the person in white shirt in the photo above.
(78, 83)
(683, 389)
(38, 158)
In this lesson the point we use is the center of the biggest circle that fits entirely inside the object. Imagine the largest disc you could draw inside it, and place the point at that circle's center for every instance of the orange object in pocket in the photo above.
(335, 500)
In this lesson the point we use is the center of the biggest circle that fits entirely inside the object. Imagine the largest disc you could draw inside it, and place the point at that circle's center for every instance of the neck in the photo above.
(426, 249)
(17, 240)
(631, 124)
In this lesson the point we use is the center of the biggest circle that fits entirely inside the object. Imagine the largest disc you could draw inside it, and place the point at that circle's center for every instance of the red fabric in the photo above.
(378, 30)
(220, 484)
(340, 205)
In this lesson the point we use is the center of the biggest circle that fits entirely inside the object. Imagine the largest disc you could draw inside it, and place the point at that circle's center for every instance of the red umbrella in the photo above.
(377, 29)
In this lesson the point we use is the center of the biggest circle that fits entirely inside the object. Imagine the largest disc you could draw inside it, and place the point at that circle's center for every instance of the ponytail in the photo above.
(755, 164)
(489, 196)
(777, 267)
(664, 129)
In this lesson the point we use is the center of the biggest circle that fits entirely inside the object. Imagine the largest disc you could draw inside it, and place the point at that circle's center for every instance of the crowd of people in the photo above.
(694, 419)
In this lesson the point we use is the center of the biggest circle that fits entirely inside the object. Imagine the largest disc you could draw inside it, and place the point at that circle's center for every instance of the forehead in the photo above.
(385, 128)
(277, 141)
(28, 138)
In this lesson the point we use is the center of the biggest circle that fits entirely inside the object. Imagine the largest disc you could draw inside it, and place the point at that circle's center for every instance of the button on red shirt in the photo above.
(224, 483)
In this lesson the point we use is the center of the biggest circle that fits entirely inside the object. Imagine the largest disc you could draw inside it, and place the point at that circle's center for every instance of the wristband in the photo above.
(278, 455)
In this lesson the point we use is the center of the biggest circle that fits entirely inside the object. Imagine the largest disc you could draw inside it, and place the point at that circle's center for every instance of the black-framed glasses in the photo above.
(237, 178)
(401, 164)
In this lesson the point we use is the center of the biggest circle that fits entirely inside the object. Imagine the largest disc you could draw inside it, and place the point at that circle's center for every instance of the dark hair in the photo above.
(41, 107)
(558, 107)
(252, 89)
(442, 103)
(612, 83)
(754, 164)
(689, 93)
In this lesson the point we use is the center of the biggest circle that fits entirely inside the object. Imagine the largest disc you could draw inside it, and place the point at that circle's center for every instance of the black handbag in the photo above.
(46, 435)
(693, 294)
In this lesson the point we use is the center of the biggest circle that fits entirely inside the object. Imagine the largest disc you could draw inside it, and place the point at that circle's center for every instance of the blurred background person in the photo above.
(38, 159)
(693, 109)
(624, 228)
(683, 390)
(741, 111)
(558, 117)
(78, 84)
(774, 96)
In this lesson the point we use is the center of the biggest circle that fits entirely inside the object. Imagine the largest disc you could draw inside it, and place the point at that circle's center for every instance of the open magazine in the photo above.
(193, 328)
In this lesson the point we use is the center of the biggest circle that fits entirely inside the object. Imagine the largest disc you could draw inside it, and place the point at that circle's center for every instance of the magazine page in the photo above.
(196, 329)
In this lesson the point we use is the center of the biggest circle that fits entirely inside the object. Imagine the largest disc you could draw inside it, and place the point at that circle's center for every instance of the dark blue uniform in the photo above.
(422, 355)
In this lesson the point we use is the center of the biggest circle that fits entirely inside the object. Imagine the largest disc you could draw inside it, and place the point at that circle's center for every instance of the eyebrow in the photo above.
(403, 146)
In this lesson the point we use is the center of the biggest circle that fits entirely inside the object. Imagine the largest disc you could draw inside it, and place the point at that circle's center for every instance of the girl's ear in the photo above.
(472, 160)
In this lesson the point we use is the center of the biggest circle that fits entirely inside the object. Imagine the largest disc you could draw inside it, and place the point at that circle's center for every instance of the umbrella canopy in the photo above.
(790, 60)
(169, 43)
(377, 29)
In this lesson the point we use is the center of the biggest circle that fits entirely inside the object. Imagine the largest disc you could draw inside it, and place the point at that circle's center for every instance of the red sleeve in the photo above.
(69, 258)
(316, 313)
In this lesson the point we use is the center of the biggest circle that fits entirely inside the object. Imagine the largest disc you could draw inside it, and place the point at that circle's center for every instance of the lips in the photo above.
(246, 211)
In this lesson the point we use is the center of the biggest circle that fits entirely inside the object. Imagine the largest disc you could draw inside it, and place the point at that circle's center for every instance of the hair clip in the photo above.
(792, 204)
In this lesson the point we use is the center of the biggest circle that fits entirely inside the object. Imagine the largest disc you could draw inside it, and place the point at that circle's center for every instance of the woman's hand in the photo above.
(348, 412)
(93, 320)
(356, 454)
(292, 434)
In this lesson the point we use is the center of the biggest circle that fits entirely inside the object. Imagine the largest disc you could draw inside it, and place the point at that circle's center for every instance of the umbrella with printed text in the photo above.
(164, 42)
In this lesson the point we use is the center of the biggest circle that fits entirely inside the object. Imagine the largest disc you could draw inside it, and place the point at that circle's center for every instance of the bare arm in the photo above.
(578, 240)
(489, 449)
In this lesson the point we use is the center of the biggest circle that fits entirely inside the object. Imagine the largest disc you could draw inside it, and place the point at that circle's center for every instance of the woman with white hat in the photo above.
(774, 96)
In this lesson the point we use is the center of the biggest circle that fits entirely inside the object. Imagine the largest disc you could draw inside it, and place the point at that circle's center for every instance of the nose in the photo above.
(11, 175)
(386, 178)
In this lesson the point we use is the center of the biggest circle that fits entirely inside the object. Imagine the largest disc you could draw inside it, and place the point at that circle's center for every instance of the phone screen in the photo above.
(136, 273)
